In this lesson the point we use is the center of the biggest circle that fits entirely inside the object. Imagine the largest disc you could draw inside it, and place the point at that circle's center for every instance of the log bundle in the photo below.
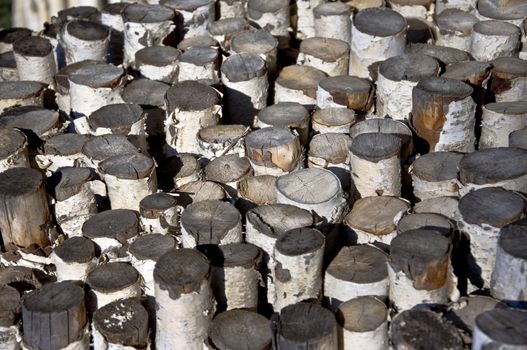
(268, 175)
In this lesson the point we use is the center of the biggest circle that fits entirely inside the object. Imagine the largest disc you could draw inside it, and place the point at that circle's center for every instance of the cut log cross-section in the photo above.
(493, 39)
(329, 55)
(259, 42)
(59, 151)
(332, 20)
(346, 92)
(194, 16)
(158, 63)
(273, 16)
(228, 171)
(159, 213)
(74, 259)
(331, 151)
(286, 115)
(35, 59)
(497, 328)
(333, 120)
(298, 84)
(200, 64)
(13, 149)
(499, 120)
(84, 40)
(509, 79)
(20, 93)
(454, 28)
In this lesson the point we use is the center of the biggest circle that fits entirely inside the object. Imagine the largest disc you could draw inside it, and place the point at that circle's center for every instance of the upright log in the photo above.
(224, 29)
(178, 170)
(444, 54)
(99, 148)
(493, 39)
(9, 35)
(298, 84)
(499, 120)
(35, 59)
(331, 151)
(345, 92)
(455, 28)
(332, 20)
(198, 191)
(158, 63)
(508, 79)
(463, 313)
(507, 11)
(13, 149)
(259, 42)
(10, 308)
(228, 170)
(200, 64)
(254, 191)
(447, 206)
(159, 213)
(290, 115)
(111, 16)
(518, 138)
(194, 16)
(273, 16)
(329, 55)
(229, 9)
(63, 150)
(20, 93)
(84, 40)
(428, 221)
(218, 140)
(74, 259)
(8, 70)
(503, 328)
(305, 19)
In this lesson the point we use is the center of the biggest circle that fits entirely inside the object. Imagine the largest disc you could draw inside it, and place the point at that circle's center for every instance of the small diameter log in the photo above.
(200, 64)
(8, 70)
(356, 271)
(198, 191)
(464, 5)
(494, 167)
(234, 275)
(210, 222)
(298, 275)
(483, 213)
(345, 92)
(435, 175)
(259, 42)
(122, 324)
(74, 259)
(9, 35)
(62, 84)
(298, 84)
(20, 93)
(63, 150)
(113, 281)
(507, 280)
(228, 171)
(329, 55)
(83, 40)
(111, 229)
(454, 28)
(184, 299)
(273, 151)
(190, 107)
(509, 79)
(245, 78)
(129, 178)
(463, 313)
(290, 115)
(500, 328)
(10, 308)
(240, 330)
(518, 138)
(54, 317)
(218, 140)
(158, 63)
(313, 189)
(363, 323)
(304, 326)
(333, 120)
(423, 329)
(375, 164)
(332, 20)
(374, 219)
(419, 269)
(272, 16)
(305, 18)
(444, 54)
(472, 72)
(231, 8)
(144, 26)
(396, 79)
(35, 59)
(224, 29)
(24, 215)
(427, 221)
(13, 149)
(159, 213)
(178, 170)
(499, 120)
(145, 251)
(194, 16)
(254, 191)
(443, 114)
(447, 206)
(78, 12)
(493, 39)
(99, 148)
(331, 151)
(377, 34)
(422, 9)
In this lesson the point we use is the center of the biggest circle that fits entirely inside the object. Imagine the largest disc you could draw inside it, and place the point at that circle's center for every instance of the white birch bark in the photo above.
(255, 89)
(231, 9)
(167, 74)
(146, 270)
(486, 46)
(190, 71)
(196, 20)
(372, 178)
(458, 133)
(72, 270)
(36, 68)
(376, 339)
(518, 184)
(338, 291)
(508, 280)
(239, 284)
(432, 189)
(10, 338)
(338, 67)
(76, 50)
(164, 224)
(305, 26)
(285, 94)
(394, 98)
(496, 127)
(105, 298)
(127, 193)
(18, 158)
(517, 91)
(334, 25)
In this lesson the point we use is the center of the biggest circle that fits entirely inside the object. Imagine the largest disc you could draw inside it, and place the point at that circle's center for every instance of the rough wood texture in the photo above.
(518, 138)
(333, 120)
(290, 115)
(329, 55)
(20, 93)
(273, 16)
(34, 59)
(463, 313)
(472, 72)
(225, 28)
(158, 63)
(102, 147)
(196, 15)
(454, 28)
(332, 20)
(198, 191)
(178, 170)
(13, 149)
(331, 151)
(499, 120)
(198, 41)
(259, 42)
(500, 328)
(508, 79)
(228, 170)
(298, 84)
(84, 40)
(428, 221)
(74, 258)
(217, 140)
(345, 92)
(444, 54)
(10, 306)
(159, 213)
(509, 11)
(255, 191)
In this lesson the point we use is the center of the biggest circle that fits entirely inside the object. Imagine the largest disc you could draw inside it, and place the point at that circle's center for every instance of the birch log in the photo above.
(24, 215)
(363, 323)
(178, 170)
(210, 222)
(254, 191)
(35, 59)
(122, 324)
(144, 26)
(145, 251)
(159, 213)
(286, 115)
(444, 54)
(184, 299)
(472, 72)
(272, 16)
(329, 55)
(129, 178)
(20, 93)
(198, 41)
(10, 308)
(62, 85)
(304, 326)
(259, 42)
(8, 70)
(229, 170)
(356, 271)
(13, 149)
(419, 269)
(158, 63)
(194, 16)
(9, 35)
(190, 107)
(298, 270)
(224, 29)
(198, 191)
(305, 18)
(54, 317)
(435, 175)
(111, 16)
(245, 78)
(454, 28)
(396, 79)
(423, 329)
(428, 221)
(231, 8)
(494, 167)
(374, 219)
(377, 34)
(464, 5)
(447, 206)
(298, 84)
(313, 189)
(499, 120)
(74, 259)
(509, 79)
(113, 281)
(332, 20)
(345, 92)
(200, 64)
(84, 40)
(273, 151)
(493, 39)
(483, 213)
(375, 165)
(333, 120)
(80, 12)
(331, 151)
(63, 150)
(422, 9)
(502, 328)
(99, 148)
(240, 329)
(463, 313)
(218, 140)
(443, 114)
(518, 138)
(507, 11)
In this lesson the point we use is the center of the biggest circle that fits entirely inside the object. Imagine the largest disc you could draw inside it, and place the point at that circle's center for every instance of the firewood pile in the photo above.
(265, 174)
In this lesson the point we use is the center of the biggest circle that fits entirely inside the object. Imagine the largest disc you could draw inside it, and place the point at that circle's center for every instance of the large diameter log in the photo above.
(159, 213)
(422, 9)
(24, 214)
(332, 20)
(329, 55)
(298, 84)
(376, 34)
(345, 92)
(184, 299)
(194, 16)
(20, 93)
(500, 328)
(84, 40)
(13, 149)
(333, 120)
(454, 28)
(499, 120)
(286, 115)
(443, 114)
(74, 259)
(508, 79)
(35, 59)
(493, 39)
(259, 42)
(273, 16)
(305, 18)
